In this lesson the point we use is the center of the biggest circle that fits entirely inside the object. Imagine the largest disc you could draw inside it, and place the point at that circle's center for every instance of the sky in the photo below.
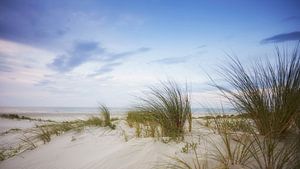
(81, 53)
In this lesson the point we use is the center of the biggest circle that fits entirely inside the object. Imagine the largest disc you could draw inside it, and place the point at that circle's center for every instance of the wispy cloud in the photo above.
(105, 69)
(81, 53)
(4, 65)
(171, 60)
(291, 18)
(5, 68)
(86, 51)
(44, 82)
(201, 47)
(179, 60)
(116, 56)
(282, 37)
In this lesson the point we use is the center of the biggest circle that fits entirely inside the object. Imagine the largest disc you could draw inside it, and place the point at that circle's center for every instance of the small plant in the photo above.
(94, 121)
(233, 150)
(188, 147)
(125, 135)
(144, 124)
(196, 163)
(231, 124)
(270, 153)
(14, 116)
(297, 121)
(105, 113)
(169, 106)
(2, 155)
(8, 152)
(28, 142)
(44, 134)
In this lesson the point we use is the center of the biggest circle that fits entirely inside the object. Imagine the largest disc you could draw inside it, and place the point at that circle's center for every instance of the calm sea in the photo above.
(87, 110)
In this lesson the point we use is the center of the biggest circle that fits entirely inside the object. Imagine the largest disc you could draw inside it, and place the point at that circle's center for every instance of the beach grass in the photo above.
(269, 93)
(169, 107)
(144, 124)
(106, 119)
(21, 117)
(233, 149)
(195, 163)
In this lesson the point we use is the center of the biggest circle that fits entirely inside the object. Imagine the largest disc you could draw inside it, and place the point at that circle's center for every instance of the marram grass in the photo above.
(168, 106)
(105, 114)
(268, 93)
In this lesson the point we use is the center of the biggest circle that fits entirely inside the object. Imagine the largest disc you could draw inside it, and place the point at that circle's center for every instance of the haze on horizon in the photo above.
(80, 53)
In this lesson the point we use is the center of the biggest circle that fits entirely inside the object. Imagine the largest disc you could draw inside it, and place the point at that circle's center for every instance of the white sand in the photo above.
(6, 124)
(93, 148)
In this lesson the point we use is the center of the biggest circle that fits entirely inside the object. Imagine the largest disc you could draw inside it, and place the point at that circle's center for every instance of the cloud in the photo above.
(116, 56)
(4, 65)
(291, 18)
(201, 46)
(29, 22)
(171, 60)
(5, 68)
(44, 83)
(80, 53)
(282, 37)
(85, 51)
(105, 69)
(178, 60)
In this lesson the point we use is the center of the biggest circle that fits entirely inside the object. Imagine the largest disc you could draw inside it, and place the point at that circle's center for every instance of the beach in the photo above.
(94, 147)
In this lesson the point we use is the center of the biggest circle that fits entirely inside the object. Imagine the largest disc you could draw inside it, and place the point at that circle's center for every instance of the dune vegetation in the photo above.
(265, 134)
(163, 112)
(268, 93)
(45, 132)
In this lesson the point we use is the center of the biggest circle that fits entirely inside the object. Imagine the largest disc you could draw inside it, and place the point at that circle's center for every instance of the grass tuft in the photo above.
(268, 93)
(169, 107)
(105, 114)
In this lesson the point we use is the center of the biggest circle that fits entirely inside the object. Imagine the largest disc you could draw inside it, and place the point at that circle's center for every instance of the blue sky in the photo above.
(81, 53)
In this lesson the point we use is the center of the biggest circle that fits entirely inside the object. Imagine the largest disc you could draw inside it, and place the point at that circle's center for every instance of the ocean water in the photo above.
(92, 110)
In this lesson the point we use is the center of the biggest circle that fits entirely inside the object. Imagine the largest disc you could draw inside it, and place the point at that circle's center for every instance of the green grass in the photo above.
(46, 131)
(2, 155)
(144, 124)
(198, 161)
(15, 116)
(105, 114)
(270, 153)
(19, 117)
(297, 121)
(268, 93)
(6, 153)
(232, 124)
(246, 148)
(169, 107)
(234, 148)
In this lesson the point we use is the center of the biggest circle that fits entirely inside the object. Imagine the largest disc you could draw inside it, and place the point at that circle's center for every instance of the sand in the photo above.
(92, 148)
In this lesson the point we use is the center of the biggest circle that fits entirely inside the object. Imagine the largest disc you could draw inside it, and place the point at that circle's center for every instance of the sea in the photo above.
(94, 110)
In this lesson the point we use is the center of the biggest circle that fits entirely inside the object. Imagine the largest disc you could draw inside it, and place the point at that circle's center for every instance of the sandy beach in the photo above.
(91, 148)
